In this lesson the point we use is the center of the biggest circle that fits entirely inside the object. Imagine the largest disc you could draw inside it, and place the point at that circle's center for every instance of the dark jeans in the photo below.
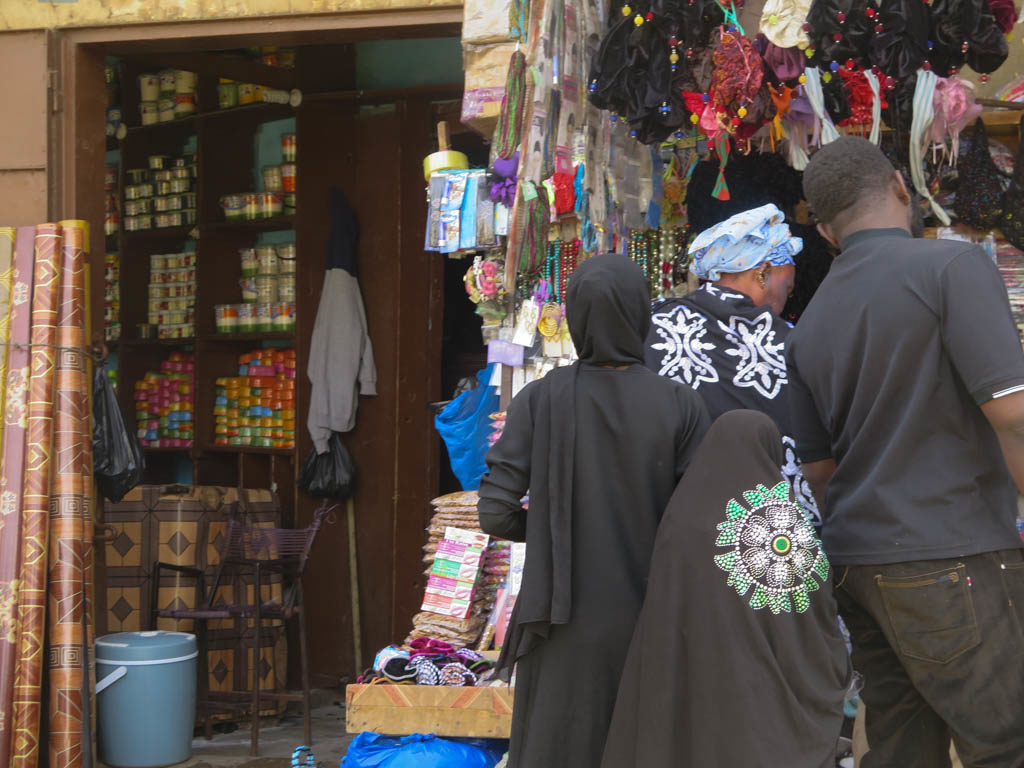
(940, 644)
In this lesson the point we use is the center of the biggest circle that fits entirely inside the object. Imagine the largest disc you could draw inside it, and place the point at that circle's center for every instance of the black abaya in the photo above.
(600, 450)
(737, 659)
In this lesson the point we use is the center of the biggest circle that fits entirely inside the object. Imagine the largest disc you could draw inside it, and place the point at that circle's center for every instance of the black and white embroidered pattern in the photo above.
(759, 360)
(801, 489)
(685, 346)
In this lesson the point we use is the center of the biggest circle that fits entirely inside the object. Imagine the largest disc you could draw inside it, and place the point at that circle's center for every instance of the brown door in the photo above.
(24, 127)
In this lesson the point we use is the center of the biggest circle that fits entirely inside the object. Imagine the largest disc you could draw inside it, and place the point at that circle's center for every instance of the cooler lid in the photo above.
(159, 645)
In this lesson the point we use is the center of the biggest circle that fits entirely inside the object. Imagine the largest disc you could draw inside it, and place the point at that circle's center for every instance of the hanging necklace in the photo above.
(551, 312)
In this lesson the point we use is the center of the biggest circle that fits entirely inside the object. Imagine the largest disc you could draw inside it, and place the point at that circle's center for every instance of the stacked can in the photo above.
(257, 407)
(268, 292)
(162, 195)
(172, 295)
(111, 298)
(112, 202)
(165, 404)
(166, 96)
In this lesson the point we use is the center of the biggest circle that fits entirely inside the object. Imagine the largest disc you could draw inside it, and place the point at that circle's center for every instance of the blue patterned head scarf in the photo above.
(742, 242)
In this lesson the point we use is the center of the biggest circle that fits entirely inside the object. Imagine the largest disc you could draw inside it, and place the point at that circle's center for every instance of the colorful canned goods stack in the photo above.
(162, 195)
(172, 294)
(165, 404)
(257, 408)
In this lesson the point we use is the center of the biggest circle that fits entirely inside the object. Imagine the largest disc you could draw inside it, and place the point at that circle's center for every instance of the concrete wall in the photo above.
(48, 14)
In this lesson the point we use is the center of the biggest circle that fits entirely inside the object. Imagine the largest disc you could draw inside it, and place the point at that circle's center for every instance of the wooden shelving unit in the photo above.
(224, 143)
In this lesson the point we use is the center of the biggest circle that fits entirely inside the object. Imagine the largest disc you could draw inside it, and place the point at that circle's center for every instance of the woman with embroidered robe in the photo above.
(600, 446)
(737, 659)
(726, 340)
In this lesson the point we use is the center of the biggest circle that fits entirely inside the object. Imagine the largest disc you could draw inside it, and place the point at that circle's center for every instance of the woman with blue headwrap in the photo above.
(726, 340)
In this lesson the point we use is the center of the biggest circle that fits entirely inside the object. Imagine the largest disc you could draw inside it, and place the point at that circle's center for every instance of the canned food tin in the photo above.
(271, 204)
(288, 177)
(288, 147)
(144, 330)
(266, 288)
(272, 178)
(188, 216)
(184, 105)
(149, 87)
(138, 191)
(226, 317)
(149, 112)
(184, 81)
(289, 203)
(250, 294)
(250, 266)
(158, 261)
(233, 207)
(264, 319)
(138, 223)
(286, 258)
(227, 95)
(165, 110)
(138, 207)
(167, 82)
(162, 187)
(169, 203)
(180, 186)
(252, 206)
(159, 162)
(163, 176)
(266, 259)
(286, 287)
(181, 173)
(110, 178)
(246, 317)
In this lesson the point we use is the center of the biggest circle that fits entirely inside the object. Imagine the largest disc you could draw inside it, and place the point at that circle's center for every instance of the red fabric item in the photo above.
(565, 193)
(858, 91)
(1005, 13)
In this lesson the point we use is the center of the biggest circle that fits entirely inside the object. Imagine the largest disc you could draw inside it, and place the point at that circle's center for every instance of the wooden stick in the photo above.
(443, 145)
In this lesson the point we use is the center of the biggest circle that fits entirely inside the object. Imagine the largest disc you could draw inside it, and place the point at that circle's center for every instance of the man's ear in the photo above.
(825, 231)
(900, 189)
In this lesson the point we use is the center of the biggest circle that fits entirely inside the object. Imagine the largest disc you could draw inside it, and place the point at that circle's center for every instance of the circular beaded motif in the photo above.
(772, 550)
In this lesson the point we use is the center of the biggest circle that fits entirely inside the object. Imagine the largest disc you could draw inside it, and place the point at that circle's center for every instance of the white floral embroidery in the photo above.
(759, 361)
(795, 477)
(686, 360)
(720, 293)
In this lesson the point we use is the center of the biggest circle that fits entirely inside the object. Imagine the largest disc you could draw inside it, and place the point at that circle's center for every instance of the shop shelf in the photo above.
(161, 449)
(261, 111)
(214, 448)
(166, 233)
(157, 128)
(249, 337)
(157, 342)
(259, 225)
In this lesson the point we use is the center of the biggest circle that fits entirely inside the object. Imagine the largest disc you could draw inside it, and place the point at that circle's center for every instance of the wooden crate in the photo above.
(398, 710)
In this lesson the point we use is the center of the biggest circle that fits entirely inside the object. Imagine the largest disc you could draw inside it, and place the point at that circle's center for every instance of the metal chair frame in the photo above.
(261, 551)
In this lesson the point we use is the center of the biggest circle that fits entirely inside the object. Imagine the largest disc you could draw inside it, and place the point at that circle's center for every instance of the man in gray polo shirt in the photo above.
(907, 387)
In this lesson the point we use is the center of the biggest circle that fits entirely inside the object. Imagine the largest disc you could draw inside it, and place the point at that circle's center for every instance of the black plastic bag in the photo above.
(330, 475)
(118, 462)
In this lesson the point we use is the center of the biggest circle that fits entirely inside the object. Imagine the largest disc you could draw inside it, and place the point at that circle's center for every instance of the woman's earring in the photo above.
(762, 277)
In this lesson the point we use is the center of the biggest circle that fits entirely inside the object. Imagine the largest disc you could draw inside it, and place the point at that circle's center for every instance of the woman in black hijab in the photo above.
(737, 658)
(600, 446)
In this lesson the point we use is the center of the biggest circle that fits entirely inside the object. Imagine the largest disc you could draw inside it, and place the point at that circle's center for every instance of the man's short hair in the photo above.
(840, 175)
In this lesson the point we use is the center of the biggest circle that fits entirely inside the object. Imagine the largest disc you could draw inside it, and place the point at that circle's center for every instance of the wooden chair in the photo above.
(261, 552)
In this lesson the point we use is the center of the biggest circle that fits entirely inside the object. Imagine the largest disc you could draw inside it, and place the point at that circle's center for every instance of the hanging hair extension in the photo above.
(533, 249)
(508, 132)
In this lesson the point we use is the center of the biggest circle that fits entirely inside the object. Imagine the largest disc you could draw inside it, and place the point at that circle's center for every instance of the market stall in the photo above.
(604, 122)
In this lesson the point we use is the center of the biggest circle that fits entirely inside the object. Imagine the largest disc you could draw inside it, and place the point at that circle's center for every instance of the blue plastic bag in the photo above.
(465, 425)
(371, 750)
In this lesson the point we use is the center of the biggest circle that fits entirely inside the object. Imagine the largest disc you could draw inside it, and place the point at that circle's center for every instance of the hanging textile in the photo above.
(70, 579)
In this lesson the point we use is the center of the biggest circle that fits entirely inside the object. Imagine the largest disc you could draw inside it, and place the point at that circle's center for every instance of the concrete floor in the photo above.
(278, 739)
